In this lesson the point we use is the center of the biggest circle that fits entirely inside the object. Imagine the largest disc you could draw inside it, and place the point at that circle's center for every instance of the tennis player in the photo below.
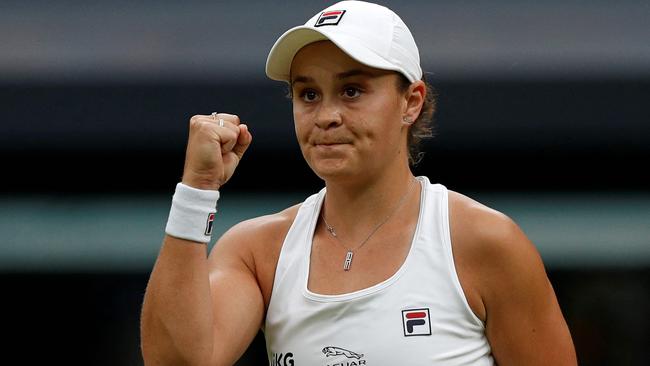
(378, 268)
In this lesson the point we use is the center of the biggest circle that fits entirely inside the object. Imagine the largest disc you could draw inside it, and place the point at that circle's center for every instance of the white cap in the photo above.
(369, 33)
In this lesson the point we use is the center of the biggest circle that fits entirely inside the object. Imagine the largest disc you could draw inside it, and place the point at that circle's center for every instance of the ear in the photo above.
(414, 99)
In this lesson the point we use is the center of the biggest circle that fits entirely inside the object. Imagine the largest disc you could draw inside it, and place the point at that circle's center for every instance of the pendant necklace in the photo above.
(348, 256)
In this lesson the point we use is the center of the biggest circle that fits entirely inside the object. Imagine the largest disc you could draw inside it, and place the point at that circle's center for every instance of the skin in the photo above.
(349, 121)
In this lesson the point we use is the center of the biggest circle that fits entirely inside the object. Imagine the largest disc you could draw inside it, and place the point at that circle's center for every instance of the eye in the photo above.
(308, 95)
(352, 92)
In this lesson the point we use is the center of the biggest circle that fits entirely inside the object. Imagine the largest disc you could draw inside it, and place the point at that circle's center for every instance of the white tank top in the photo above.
(419, 316)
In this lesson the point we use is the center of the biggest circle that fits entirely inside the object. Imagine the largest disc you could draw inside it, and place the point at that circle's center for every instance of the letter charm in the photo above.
(348, 261)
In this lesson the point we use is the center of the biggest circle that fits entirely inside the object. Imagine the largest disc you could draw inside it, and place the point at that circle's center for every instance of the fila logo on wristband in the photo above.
(208, 225)
(416, 322)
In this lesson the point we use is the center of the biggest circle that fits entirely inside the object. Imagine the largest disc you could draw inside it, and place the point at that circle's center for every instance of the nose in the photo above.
(328, 114)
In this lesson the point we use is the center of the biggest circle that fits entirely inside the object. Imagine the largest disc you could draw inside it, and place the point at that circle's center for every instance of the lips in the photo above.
(328, 142)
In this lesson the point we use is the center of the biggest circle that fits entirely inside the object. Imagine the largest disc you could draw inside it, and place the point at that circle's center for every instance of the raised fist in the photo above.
(215, 146)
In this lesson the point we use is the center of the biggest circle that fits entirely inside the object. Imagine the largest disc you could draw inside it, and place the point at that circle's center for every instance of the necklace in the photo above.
(348, 256)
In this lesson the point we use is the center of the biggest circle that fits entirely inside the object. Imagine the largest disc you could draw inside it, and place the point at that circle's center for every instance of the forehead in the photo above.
(324, 58)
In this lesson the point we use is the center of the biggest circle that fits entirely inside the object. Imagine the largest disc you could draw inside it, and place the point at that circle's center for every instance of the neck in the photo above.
(355, 209)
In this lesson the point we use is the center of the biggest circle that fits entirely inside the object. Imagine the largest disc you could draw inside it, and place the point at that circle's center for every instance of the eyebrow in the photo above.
(339, 76)
(301, 79)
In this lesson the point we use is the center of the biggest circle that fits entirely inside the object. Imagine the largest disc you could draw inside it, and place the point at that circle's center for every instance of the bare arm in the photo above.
(508, 288)
(524, 321)
(197, 312)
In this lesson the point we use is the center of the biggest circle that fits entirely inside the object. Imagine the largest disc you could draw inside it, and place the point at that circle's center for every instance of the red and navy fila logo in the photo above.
(208, 224)
(416, 322)
(332, 17)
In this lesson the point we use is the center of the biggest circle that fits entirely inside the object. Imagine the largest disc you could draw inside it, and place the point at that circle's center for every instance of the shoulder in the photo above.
(253, 246)
(490, 251)
(257, 235)
(484, 229)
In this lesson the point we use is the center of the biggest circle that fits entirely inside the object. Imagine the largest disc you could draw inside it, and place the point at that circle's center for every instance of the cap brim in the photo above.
(278, 63)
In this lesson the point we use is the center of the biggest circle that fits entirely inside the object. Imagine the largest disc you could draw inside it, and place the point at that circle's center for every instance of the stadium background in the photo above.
(543, 115)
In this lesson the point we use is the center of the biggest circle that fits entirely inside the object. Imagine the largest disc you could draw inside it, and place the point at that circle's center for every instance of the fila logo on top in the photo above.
(416, 322)
(332, 17)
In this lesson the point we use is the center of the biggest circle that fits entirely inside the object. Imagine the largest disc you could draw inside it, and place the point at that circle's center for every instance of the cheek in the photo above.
(385, 106)
(299, 123)
(380, 121)
(304, 131)
(367, 128)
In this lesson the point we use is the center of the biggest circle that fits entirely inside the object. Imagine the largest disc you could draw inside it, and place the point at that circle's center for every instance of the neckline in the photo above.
(367, 290)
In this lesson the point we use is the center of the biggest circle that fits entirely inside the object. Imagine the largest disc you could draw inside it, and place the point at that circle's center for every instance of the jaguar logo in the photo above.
(337, 351)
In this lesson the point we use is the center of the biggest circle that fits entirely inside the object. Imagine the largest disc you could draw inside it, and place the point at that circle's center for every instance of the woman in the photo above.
(380, 267)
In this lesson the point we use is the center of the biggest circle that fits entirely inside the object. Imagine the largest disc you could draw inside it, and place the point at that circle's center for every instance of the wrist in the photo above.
(201, 181)
(202, 185)
(192, 213)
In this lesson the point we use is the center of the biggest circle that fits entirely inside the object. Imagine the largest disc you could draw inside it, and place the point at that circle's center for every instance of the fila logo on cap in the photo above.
(416, 322)
(208, 224)
(332, 17)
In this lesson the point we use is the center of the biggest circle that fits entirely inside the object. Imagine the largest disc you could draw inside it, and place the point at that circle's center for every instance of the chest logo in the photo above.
(337, 351)
(352, 358)
(279, 359)
(416, 322)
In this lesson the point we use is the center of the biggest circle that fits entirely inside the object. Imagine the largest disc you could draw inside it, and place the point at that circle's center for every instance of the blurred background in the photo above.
(543, 115)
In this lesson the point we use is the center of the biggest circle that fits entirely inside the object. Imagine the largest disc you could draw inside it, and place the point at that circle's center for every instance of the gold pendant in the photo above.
(348, 261)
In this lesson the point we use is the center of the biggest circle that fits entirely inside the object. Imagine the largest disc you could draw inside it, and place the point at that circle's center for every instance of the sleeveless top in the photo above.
(418, 316)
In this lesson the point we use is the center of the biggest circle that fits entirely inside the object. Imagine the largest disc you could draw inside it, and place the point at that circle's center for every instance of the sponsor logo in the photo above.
(279, 359)
(353, 358)
(208, 224)
(416, 322)
(332, 17)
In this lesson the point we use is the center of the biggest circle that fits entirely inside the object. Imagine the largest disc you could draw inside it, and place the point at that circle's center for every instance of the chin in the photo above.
(330, 168)
(332, 163)
(340, 174)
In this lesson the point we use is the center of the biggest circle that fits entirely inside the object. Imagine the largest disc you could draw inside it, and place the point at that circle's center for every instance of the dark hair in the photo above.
(423, 127)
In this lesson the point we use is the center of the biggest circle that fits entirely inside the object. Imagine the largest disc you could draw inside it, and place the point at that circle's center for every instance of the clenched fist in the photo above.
(213, 151)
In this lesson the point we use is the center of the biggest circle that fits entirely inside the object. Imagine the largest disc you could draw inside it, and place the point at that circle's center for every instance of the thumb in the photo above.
(243, 141)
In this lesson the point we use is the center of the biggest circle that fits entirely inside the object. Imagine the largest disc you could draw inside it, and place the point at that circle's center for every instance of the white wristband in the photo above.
(192, 213)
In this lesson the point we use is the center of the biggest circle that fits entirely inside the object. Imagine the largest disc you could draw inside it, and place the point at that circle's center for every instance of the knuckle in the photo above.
(195, 119)
(230, 134)
(195, 122)
(232, 118)
(197, 126)
(200, 127)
